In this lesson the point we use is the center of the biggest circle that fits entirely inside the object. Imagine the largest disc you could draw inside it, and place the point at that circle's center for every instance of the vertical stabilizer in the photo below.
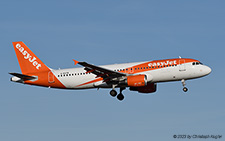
(28, 61)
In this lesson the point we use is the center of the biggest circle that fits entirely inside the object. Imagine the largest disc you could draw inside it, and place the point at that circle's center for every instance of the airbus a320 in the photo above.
(139, 76)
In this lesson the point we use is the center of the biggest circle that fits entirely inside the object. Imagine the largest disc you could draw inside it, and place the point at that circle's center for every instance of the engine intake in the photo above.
(136, 80)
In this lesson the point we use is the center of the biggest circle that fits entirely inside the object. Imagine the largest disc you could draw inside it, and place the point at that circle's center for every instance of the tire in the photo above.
(120, 97)
(113, 93)
(185, 89)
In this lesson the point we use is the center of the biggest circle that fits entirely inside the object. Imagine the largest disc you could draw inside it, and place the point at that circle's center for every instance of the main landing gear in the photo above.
(113, 92)
(185, 89)
(120, 96)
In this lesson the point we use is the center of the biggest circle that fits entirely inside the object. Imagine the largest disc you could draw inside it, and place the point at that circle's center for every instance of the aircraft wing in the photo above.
(106, 74)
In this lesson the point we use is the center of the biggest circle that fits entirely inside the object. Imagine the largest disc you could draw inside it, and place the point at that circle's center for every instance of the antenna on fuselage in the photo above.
(180, 57)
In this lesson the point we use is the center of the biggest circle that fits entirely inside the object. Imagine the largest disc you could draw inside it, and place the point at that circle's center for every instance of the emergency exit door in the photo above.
(51, 77)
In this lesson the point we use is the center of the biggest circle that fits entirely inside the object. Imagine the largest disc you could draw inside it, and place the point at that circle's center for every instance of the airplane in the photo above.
(139, 76)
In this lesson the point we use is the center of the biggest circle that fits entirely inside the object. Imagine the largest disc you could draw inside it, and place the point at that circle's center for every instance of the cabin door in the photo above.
(182, 65)
(51, 77)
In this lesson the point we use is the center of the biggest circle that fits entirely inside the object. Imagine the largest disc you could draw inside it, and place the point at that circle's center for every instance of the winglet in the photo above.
(75, 62)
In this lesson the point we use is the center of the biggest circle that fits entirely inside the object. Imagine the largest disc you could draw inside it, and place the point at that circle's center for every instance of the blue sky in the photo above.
(108, 32)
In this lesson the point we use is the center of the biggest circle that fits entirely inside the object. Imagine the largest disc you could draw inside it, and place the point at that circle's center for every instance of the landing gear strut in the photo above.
(185, 89)
(113, 92)
(120, 95)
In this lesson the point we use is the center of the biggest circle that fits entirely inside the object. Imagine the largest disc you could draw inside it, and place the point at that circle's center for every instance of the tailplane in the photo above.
(21, 77)
(28, 61)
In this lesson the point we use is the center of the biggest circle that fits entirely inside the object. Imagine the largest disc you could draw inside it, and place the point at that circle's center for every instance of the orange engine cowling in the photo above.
(136, 80)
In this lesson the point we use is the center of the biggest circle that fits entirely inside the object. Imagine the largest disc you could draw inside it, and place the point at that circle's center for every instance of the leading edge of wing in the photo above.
(99, 71)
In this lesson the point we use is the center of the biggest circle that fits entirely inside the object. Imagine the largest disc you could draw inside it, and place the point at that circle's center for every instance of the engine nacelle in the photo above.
(136, 80)
(150, 88)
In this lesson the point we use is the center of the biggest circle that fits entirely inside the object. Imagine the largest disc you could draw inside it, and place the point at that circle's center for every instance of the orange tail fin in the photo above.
(29, 62)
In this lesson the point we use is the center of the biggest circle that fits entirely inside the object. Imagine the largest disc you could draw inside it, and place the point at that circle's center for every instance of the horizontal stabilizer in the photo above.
(23, 77)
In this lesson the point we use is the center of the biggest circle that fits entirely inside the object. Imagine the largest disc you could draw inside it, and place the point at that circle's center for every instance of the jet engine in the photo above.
(136, 80)
(149, 88)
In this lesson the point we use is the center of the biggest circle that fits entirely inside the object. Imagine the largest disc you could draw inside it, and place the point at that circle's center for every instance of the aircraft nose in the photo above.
(207, 70)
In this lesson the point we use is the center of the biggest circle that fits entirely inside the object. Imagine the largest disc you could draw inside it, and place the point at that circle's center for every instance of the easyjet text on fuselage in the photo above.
(163, 63)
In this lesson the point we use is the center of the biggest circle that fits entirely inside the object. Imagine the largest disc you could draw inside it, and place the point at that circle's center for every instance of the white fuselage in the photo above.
(77, 78)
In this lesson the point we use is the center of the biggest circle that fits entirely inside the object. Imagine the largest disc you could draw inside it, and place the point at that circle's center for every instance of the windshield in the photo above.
(197, 63)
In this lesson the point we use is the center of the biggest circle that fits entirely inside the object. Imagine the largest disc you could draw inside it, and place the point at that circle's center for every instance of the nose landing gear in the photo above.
(185, 89)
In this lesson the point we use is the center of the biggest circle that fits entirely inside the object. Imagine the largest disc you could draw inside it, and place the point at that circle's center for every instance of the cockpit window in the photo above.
(197, 63)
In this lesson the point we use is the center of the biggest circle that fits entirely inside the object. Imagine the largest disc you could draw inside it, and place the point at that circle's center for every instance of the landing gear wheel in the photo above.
(120, 97)
(113, 93)
(185, 89)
